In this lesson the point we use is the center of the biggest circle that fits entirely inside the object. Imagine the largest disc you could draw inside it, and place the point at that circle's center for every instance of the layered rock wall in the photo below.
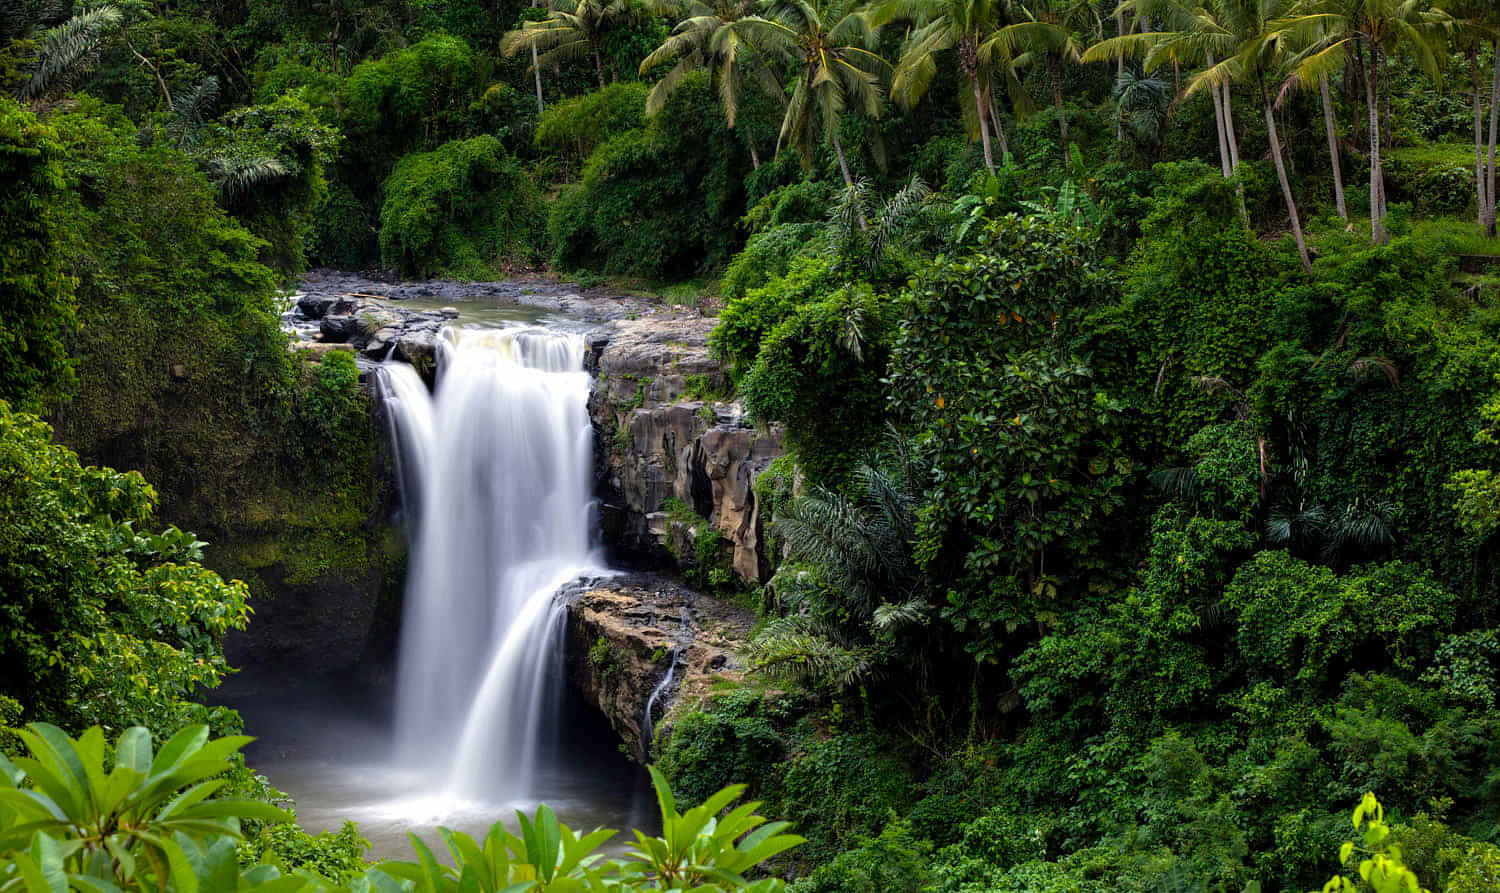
(662, 436)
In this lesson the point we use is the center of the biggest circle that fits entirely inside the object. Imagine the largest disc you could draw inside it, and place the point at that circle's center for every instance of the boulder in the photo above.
(626, 633)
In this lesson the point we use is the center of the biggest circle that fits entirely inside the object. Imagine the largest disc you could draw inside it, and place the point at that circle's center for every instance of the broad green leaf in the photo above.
(178, 749)
(134, 750)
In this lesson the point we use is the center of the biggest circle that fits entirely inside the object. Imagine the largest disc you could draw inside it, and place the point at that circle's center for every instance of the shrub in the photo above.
(36, 297)
(1302, 624)
(458, 211)
(657, 201)
(106, 622)
(578, 125)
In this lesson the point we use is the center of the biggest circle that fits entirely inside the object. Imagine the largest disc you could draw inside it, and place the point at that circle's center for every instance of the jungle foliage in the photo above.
(1138, 367)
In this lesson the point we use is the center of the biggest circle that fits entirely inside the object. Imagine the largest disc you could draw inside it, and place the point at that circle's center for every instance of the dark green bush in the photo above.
(36, 295)
(461, 210)
(659, 201)
(577, 126)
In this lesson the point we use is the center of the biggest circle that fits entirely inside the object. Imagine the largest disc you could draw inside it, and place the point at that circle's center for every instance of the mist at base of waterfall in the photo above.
(331, 754)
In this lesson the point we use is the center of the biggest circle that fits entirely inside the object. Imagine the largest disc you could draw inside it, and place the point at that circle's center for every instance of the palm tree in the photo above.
(1260, 57)
(1054, 31)
(833, 43)
(565, 36)
(1330, 128)
(1478, 25)
(964, 26)
(1377, 29)
(1190, 36)
(711, 37)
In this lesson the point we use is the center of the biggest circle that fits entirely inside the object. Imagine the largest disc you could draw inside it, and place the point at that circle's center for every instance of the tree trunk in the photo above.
(1479, 181)
(537, 72)
(1055, 69)
(989, 103)
(1286, 186)
(1234, 141)
(838, 149)
(598, 61)
(1333, 148)
(1213, 92)
(1119, 73)
(1377, 180)
(754, 156)
(981, 111)
(1489, 220)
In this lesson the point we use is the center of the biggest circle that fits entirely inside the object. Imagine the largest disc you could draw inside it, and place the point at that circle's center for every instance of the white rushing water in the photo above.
(496, 464)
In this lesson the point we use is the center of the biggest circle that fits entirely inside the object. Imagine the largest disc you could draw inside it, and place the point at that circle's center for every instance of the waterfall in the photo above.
(684, 639)
(498, 465)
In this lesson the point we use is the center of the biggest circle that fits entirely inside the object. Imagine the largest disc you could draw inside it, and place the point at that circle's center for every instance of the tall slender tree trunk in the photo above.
(598, 61)
(1213, 92)
(1489, 221)
(989, 103)
(1234, 141)
(754, 156)
(1055, 70)
(1286, 186)
(1119, 73)
(982, 112)
(537, 72)
(1377, 179)
(1330, 125)
(1481, 187)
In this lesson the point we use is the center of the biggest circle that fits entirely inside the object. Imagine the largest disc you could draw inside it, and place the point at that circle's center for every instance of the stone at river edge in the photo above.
(661, 437)
(620, 636)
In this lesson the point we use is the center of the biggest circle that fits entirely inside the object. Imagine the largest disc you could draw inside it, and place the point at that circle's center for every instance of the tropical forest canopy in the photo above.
(1140, 367)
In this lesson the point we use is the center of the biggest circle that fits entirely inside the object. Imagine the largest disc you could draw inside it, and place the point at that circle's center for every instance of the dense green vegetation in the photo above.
(1140, 367)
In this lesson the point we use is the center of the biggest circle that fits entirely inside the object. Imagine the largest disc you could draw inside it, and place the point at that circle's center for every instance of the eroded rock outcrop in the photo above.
(625, 633)
(662, 436)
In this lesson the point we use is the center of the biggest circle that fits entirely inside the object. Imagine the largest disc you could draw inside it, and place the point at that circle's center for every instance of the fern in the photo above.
(192, 108)
(68, 51)
(237, 175)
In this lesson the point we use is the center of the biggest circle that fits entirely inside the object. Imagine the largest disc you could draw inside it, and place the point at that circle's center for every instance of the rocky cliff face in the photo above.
(636, 636)
(662, 436)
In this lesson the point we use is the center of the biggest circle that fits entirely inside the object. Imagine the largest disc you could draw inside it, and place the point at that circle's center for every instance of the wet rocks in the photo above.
(662, 437)
(622, 632)
(373, 329)
(328, 287)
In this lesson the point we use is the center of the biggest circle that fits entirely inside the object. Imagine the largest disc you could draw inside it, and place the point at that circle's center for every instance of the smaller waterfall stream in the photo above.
(684, 639)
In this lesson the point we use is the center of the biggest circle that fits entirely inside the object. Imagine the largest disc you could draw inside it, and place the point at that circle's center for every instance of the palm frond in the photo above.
(67, 50)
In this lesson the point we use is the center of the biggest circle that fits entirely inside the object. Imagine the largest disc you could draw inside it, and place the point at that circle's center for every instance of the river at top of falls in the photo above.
(495, 468)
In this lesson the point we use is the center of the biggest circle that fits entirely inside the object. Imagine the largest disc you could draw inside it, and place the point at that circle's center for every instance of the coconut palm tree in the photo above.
(1330, 129)
(1189, 36)
(1260, 60)
(1477, 25)
(832, 44)
(1050, 31)
(1376, 29)
(565, 36)
(711, 37)
(964, 26)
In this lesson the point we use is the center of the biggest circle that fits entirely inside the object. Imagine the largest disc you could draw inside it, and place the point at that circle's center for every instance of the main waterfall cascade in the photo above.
(496, 464)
